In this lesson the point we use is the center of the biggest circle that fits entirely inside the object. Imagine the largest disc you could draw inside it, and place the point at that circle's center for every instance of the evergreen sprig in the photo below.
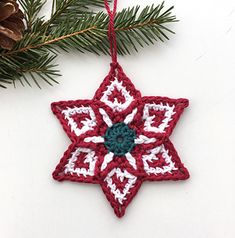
(75, 24)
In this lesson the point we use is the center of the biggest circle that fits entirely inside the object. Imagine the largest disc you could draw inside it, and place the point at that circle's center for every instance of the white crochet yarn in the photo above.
(88, 124)
(106, 117)
(90, 159)
(120, 196)
(144, 140)
(129, 118)
(131, 160)
(107, 159)
(148, 120)
(95, 139)
(153, 155)
(117, 106)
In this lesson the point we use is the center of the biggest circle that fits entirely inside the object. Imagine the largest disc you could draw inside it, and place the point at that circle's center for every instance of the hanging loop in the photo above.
(111, 30)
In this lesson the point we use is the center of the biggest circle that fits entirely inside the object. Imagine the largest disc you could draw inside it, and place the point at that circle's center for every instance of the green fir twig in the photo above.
(76, 25)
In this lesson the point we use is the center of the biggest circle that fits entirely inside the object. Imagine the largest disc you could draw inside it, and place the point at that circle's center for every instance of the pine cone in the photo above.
(11, 23)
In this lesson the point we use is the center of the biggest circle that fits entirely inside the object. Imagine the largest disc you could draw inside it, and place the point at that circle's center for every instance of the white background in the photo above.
(198, 63)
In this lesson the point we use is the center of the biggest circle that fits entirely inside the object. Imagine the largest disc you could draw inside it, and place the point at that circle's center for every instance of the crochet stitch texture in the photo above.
(119, 139)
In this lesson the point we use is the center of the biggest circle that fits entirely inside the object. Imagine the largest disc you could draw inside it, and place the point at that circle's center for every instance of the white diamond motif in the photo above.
(117, 106)
(148, 120)
(88, 124)
(120, 196)
(153, 155)
(90, 158)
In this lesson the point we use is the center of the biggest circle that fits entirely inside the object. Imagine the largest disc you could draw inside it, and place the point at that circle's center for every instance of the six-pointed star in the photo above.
(120, 139)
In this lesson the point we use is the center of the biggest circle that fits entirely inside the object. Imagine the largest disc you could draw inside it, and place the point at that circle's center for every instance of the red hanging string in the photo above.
(111, 30)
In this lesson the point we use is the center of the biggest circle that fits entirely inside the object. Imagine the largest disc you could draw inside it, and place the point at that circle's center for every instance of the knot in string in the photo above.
(111, 30)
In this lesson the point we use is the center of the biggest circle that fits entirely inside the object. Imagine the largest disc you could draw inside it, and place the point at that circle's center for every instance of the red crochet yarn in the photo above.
(119, 121)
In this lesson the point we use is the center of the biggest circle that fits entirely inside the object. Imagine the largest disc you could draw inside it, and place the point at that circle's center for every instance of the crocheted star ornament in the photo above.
(120, 139)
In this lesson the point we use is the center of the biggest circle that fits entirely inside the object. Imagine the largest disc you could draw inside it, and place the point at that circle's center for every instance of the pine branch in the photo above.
(32, 58)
